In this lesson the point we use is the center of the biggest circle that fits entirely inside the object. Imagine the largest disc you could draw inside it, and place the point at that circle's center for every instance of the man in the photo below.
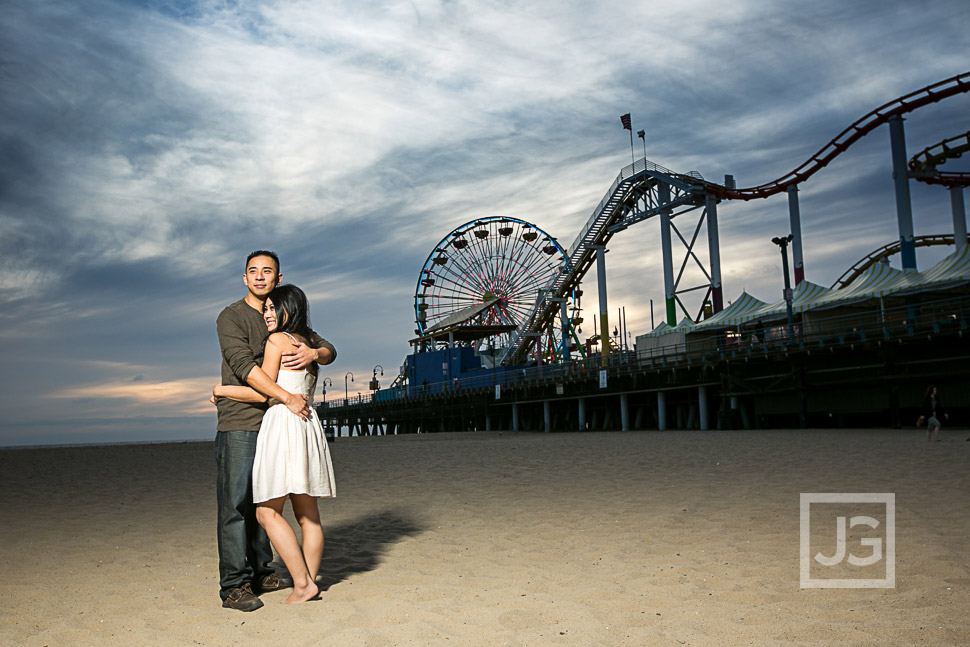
(244, 549)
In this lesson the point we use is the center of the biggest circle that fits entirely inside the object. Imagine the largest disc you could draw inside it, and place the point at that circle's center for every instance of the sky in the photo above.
(147, 147)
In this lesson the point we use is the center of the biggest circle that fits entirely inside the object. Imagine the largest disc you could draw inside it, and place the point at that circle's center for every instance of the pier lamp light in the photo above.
(347, 388)
(326, 382)
(374, 384)
(782, 242)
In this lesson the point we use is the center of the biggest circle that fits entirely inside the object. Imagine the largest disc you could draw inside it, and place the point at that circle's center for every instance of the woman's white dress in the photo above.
(292, 456)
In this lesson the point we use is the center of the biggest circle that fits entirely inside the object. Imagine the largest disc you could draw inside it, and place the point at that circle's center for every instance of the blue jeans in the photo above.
(244, 548)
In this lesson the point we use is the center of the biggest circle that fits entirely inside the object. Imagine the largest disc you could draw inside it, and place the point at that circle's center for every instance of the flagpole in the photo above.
(633, 159)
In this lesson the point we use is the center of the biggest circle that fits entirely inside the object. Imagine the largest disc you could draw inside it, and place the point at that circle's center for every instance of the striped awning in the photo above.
(881, 280)
(878, 280)
(733, 315)
(685, 325)
(663, 328)
(954, 269)
(806, 296)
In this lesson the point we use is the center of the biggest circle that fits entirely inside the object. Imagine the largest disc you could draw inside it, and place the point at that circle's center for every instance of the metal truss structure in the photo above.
(641, 191)
(645, 190)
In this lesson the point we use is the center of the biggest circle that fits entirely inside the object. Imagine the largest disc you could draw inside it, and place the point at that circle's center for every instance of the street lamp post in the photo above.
(783, 243)
(374, 384)
(347, 388)
(326, 382)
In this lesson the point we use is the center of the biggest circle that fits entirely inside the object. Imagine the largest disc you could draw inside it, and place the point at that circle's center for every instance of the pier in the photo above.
(863, 369)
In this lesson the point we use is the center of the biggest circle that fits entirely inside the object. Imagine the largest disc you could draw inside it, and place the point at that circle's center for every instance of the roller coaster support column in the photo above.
(663, 192)
(604, 322)
(702, 408)
(796, 230)
(714, 249)
(959, 217)
(661, 411)
(904, 206)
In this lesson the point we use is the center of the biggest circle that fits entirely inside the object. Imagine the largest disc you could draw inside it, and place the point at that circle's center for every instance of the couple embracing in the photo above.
(270, 445)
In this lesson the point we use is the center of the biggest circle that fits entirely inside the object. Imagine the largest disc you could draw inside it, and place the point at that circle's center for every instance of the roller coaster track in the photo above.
(635, 183)
(886, 251)
(859, 129)
(639, 182)
(922, 166)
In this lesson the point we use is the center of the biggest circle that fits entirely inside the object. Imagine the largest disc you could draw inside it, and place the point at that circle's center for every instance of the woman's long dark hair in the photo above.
(292, 311)
(293, 314)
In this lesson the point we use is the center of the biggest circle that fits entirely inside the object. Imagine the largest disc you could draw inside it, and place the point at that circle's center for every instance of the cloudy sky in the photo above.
(148, 146)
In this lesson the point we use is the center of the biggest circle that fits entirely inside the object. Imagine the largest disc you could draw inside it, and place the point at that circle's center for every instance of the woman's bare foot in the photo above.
(302, 594)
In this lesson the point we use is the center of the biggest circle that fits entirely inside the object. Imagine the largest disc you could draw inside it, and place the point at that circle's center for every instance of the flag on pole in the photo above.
(642, 134)
(625, 120)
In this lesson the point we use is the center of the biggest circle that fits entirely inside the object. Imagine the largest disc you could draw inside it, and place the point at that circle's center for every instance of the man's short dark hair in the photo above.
(264, 252)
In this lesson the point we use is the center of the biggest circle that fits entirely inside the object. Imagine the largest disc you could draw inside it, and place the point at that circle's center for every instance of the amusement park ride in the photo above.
(511, 292)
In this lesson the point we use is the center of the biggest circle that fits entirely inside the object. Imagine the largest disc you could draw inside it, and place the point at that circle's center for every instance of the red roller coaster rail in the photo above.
(862, 127)
(923, 165)
(886, 251)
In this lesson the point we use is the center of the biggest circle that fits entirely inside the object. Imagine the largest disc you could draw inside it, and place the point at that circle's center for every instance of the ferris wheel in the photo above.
(501, 263)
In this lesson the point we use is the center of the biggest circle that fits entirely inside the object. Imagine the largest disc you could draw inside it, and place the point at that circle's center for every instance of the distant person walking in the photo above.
(932, 412)
(244, 548)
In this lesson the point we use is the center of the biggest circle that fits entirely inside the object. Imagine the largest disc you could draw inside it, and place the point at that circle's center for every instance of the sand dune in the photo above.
(612, 539)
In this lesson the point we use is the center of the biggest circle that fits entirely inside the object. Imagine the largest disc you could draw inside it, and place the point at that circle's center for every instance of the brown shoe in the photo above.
(272, 582)
(242, 599)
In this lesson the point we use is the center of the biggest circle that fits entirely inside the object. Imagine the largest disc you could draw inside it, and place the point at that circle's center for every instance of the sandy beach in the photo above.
(612, 539)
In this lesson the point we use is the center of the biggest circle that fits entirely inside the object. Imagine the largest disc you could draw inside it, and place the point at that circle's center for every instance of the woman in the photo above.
(931, 411)
(292, 456)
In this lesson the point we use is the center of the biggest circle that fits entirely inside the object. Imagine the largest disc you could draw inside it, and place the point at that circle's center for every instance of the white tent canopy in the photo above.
(734, 315)
(878, 280)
